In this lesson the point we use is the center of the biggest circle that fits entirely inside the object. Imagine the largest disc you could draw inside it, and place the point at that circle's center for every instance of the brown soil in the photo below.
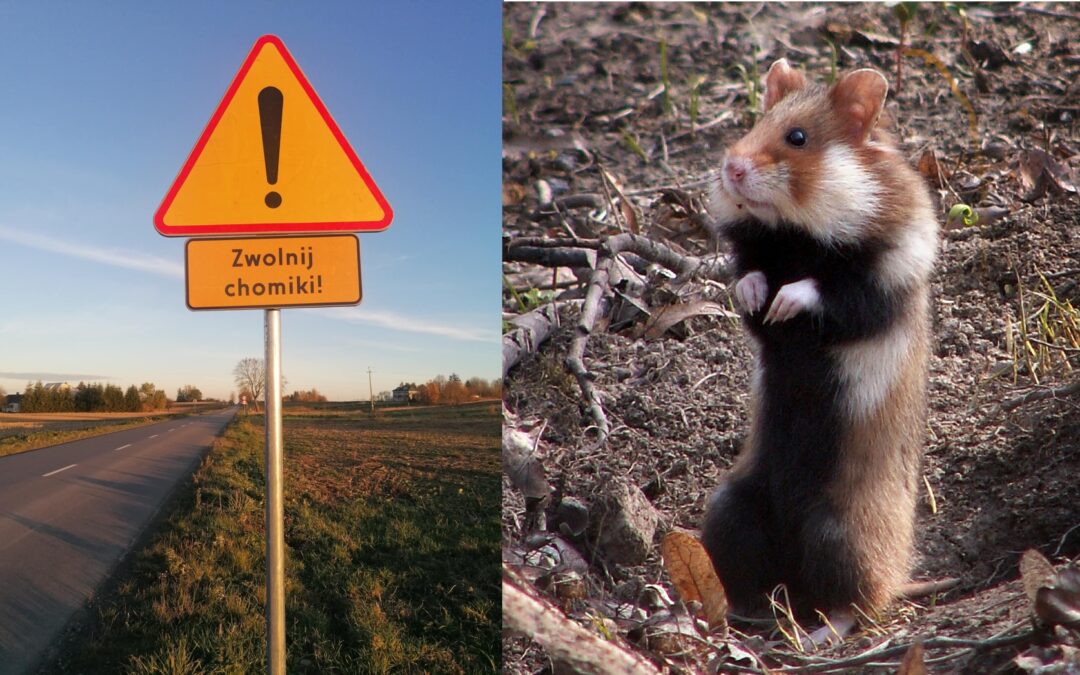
(583, 95)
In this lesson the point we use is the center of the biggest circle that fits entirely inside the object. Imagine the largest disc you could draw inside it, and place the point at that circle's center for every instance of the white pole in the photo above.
(275, 501)
(371, 391)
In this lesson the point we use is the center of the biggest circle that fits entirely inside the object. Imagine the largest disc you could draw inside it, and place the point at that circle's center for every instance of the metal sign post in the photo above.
(238, 183)
(275, 501)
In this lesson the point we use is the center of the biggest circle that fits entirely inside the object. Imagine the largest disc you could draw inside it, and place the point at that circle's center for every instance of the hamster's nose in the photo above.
(735, 168)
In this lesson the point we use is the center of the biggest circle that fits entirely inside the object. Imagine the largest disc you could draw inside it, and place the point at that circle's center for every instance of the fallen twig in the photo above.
(873, 657)
(566, 642)
(1040, 394)
(600, 286)
(531, 329)
(550, 257)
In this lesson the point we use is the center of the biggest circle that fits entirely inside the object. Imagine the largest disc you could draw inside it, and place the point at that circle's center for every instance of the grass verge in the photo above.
(392, 538)
(15, 443)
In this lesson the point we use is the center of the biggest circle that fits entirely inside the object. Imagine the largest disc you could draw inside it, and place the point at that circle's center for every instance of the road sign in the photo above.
(265, 272)
(272, 160)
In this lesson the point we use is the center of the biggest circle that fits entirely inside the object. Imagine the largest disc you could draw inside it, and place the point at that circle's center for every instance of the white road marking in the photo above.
(155, 435)
(169, 431)
(46, 475)
(123, 446)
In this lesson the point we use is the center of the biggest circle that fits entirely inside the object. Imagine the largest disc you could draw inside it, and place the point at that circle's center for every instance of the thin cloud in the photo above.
(53, 377)
(132, 260)
(410, 325)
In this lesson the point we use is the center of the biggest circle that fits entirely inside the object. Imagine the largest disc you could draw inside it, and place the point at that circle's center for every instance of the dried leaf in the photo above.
(989, 214)
(988, 53)
(1056, 606)
(627, 210)
(523, 146)
(913, 663)
(665, 318)
(1035, 572)
(513, 194)
(1058, 602)
(1039, 172)
(521, 465)
(863, 38)
(930, 168)
(691, 571)
(666, 633)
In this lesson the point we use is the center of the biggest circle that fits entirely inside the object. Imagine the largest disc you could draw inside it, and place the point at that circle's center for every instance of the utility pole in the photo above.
(371, 391)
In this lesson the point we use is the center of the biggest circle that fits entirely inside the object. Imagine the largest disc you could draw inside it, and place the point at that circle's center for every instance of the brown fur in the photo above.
(877, 486)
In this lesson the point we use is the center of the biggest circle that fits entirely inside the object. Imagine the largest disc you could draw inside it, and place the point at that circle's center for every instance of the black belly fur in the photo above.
(772, 524)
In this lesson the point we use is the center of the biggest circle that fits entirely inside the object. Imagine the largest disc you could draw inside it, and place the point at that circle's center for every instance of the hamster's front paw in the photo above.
(798, 296)
(751, 291)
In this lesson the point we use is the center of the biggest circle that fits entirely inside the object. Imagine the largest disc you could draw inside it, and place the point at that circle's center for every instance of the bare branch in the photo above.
(532, 329)
(1040, 394)
(566, 642)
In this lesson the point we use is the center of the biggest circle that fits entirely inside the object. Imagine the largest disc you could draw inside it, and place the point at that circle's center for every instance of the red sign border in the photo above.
(231, 229)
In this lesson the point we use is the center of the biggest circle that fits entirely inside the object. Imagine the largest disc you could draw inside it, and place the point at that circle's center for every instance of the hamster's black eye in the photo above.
(796, 137)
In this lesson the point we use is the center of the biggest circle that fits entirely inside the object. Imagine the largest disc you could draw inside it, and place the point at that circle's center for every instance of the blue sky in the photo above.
(100, 105)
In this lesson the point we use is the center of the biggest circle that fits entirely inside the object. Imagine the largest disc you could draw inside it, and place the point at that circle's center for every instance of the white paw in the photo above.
(798, 296)
(837, 627)
(751, 291)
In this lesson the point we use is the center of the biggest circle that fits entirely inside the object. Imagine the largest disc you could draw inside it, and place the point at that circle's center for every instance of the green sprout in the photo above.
(510, 103)
(633, 144)
(664, 77)
(905, 12)
(695, 99)
(832, 60)
(964, 213)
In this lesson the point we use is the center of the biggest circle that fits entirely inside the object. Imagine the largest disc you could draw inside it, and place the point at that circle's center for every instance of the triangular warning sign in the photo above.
(272, 160)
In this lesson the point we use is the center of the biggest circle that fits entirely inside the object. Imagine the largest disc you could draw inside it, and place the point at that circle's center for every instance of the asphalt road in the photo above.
(69, 512)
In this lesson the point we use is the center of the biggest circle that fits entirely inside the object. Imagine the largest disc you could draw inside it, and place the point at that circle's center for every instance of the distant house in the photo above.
(13, 403)
(58, 386)
(405, 394)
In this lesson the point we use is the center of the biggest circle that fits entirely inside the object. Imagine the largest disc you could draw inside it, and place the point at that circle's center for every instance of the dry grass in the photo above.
(22, 436)
(392, 538)
(21, 432)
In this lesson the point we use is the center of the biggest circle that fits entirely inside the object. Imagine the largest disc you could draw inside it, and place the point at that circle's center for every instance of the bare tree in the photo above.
(250, 375)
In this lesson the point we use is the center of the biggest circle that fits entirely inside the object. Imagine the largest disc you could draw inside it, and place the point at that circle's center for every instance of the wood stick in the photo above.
(566, 642)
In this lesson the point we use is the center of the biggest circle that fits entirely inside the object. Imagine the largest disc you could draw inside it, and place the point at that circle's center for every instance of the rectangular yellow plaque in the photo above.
(270, 272)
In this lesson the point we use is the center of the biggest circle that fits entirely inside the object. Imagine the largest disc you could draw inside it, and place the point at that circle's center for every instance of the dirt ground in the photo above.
(584, 95)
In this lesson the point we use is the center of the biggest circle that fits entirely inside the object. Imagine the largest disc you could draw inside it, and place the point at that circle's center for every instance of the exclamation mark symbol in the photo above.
(270, 103)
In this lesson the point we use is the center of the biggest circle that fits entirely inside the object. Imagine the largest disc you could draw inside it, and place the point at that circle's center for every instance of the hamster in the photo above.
(833, 238)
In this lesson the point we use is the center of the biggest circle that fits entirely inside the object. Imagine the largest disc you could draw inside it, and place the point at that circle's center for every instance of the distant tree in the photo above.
(132, 402)
(87, 397)
(312, 396)
(250, 376)
(113, 398)
(159, 401)
(31, 397)
(430, 393)
(188, 394)
(151, 398)
(454, 391)
(476, 386)
(3, 397)
(384, 396)
(232, 398)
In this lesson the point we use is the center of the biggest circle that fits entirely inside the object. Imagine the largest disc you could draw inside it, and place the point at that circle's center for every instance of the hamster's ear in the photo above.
(781, 80)
(858, 98)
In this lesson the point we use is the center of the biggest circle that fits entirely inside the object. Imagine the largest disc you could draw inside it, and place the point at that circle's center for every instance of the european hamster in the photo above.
(833, 238)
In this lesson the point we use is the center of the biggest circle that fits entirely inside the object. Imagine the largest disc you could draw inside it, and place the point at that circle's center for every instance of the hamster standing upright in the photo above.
(833, 238)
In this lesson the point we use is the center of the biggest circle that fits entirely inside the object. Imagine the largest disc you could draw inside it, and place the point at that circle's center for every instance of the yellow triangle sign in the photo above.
(271, 160)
